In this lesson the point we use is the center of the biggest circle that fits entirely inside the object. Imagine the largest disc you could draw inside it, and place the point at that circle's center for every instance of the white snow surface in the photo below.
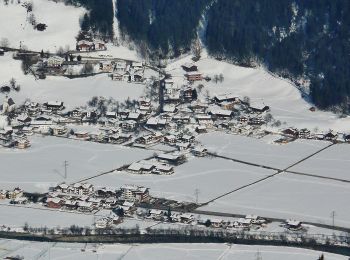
(290, 196)
(62, 25)
(41, 166)
(157, 251)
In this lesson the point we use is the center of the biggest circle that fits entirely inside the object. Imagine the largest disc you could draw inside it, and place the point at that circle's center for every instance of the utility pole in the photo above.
(258, 255)
(65, 164)
(196, 194)
(333, 214)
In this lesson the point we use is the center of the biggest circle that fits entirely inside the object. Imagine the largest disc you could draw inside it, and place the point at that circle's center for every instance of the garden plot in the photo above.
(260, 151)
(333, 162)
(212, 177)
(41, 166)
(290, 196)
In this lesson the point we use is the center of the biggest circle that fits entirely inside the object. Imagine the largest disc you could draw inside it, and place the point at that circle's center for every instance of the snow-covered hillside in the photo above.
(284, 99)
(62, 25)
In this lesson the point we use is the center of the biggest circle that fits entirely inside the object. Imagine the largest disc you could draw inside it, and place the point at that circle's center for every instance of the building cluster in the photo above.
(16, 196)
(85, 198)
(124, 71)
(304, 133)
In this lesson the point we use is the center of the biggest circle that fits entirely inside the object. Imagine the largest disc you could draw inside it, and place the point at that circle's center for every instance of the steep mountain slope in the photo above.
(294, 38)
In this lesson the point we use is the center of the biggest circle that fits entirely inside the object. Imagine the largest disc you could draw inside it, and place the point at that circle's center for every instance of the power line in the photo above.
(196, 194)
(65, 169)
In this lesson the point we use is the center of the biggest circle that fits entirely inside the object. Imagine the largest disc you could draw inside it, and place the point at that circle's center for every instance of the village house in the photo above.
(304, 133)
(134, 193)
(55, 203)
(218, 113)
(156, 123)
(204, 120)
(256, 121)
(63, 188)
(24, 119)
(82, 135)
(173, 158)
(141, 167)
(83, 188)
(3, 194)
(54, 106)
(59, 130)
(290, 132)
(8, 106)
(23, 143)
(55, 62)
(163, 169)
(181, 119)
(157, 214)
(85, 45)
(199, 151)
(150, 139)
(32, 108)
(119, 67)
(134, 116)
(100, 45)
(187, 93)
(106, 192)
(198, 107)
(85, 206)
(293, 224)
(170, 139)
(120, 138)
(15, 193)
(186, 218)
(106, 66)
(129, 125)
(194, 76)
(331, 136)
(188, 67)
(201, 129)
(226, 98)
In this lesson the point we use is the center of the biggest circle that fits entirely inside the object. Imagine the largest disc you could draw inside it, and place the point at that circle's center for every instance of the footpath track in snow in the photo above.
(279, 171)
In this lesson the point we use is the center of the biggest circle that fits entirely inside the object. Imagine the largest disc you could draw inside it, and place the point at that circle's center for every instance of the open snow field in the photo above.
(260, 151)
(280, 95)
(40, 166)
(16, 28)
(290, 196)
(73, 92)
(30, 250)
(333, 162)
(212, 177)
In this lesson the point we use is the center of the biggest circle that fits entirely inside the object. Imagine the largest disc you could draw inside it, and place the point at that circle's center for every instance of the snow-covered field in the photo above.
(42, 165)
(260, 151)
(212, 177)
(30, 250)
(290, 196)
(16, 28)
(73, 92)
(333, 162)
